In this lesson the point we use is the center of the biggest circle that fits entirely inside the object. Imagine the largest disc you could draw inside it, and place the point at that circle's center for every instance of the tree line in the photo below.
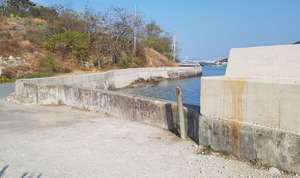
(115, 35)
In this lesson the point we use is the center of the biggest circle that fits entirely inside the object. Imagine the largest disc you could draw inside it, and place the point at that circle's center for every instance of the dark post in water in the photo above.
(180, 113)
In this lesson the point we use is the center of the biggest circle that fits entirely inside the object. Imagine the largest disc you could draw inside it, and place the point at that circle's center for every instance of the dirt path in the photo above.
(57, 141)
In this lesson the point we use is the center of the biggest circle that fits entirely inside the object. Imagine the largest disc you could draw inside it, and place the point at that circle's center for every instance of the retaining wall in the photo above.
(252, 111)
(160, 113)
(114, 78)
(89, 92)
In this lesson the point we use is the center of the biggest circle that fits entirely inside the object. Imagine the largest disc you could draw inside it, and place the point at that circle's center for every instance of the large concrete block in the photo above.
(265, 61)
(254, 107)
(252, 100)
(211, 96)
(257, 88)
(271, 146)
(289, 106)
(234, 98)
(262, 102)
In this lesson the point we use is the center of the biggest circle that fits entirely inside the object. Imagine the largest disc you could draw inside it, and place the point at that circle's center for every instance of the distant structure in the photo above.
(216, 62)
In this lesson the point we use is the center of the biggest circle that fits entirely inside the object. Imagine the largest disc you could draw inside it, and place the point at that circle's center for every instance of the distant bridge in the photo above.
(189, 64)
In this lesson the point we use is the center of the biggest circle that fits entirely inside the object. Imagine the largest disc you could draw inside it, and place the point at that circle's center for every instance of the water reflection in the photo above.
(167, 89)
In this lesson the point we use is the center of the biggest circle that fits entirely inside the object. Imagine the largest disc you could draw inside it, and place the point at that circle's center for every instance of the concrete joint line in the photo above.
(280, 100)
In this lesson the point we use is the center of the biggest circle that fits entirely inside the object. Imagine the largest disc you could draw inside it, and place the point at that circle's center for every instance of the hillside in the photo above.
(38, 46)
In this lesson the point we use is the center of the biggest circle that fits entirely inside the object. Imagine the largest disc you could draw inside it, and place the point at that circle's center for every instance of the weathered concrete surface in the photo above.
(85, 94)
(266, 61)
(252, 111)
(112, 79)
(274, 147)
(160, 113)
(270, 102)
(124, 78)
(58, 141)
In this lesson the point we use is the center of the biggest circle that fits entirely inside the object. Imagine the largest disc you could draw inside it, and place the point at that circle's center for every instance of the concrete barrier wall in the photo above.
(160, 113)
(252, 111)
(265, 61)
(71, 91)
(251, 117)
(269, 102)
(266, 145)
(114, 78)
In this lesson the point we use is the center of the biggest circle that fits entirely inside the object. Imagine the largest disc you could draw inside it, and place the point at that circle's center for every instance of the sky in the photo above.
(207, 29)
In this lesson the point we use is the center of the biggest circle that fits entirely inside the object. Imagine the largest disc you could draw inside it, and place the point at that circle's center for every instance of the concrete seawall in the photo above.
(252, 111)
(112, 79)
(90, 92)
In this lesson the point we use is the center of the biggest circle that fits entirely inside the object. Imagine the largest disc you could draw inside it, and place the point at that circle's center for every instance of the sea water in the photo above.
(167, 89)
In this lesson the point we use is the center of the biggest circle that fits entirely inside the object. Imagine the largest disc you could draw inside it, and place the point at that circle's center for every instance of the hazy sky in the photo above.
(206, 29)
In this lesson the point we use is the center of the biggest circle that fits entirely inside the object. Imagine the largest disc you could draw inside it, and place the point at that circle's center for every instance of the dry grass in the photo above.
(12, 72)
(38, 21)
(10, 48)
(7, 22)
(154, 59)
(26, 43)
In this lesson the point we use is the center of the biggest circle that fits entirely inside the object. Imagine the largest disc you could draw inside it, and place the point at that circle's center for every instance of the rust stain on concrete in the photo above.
(233, 100)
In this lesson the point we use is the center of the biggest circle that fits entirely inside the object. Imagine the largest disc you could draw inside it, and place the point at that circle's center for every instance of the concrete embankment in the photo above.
(252, 111)
(253, 115)
(90, 92)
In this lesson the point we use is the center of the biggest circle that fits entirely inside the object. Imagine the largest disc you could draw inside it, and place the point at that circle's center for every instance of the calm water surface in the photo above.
(167, 89)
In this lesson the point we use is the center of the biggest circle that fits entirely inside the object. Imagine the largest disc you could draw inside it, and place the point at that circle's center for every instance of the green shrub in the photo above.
(125, 62)
(38, 75)
(37, 38)
(41, 28)
(4, 79)
(49, 64)
(22, 21)
(70, 42)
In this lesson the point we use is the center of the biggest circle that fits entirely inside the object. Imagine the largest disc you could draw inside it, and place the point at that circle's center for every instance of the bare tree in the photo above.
(3, 5)
(121, 26)
(91, 22)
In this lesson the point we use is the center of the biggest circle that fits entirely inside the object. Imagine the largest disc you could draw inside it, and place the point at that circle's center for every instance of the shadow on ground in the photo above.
(24, 175)
(193, 115)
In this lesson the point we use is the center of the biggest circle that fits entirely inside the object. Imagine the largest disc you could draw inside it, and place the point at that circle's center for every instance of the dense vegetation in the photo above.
(60, 39)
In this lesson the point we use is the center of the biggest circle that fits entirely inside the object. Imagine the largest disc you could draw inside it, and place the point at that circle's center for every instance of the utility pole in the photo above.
(134, 30)
(174, 46)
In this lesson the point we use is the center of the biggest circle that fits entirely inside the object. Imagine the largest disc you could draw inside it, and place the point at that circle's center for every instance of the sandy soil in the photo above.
(58, 141)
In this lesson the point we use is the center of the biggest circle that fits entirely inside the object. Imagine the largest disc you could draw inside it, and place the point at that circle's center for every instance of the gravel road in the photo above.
(58, 141)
